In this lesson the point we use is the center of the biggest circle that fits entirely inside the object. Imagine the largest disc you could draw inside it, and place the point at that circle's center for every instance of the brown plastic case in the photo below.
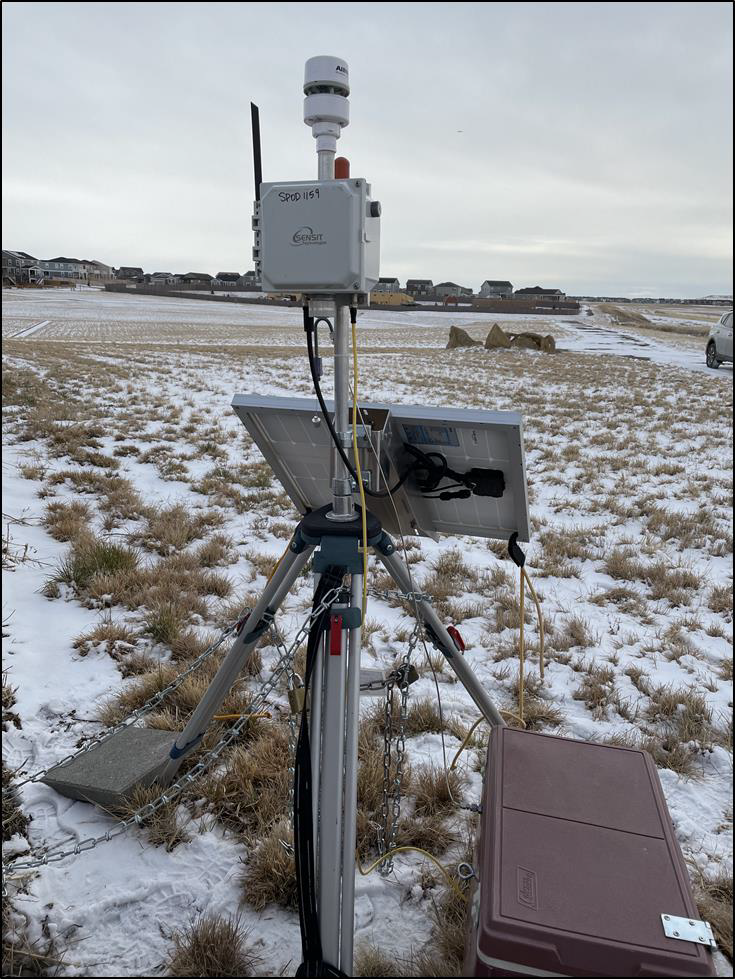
(577, 861)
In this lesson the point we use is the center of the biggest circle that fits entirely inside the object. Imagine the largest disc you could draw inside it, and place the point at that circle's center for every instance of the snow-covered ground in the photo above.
(629, 457)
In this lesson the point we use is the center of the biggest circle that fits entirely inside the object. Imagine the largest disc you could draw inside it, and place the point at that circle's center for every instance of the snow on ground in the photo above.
(629, 456)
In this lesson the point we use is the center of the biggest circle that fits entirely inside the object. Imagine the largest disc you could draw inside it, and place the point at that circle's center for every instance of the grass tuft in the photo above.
(212, 946)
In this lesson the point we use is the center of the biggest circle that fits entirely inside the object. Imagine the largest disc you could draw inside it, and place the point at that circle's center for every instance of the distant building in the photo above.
(196, 278)
(21, 269)
(451, 289)
(129, 272)
(387, 283)
(539, 292)
(62, 268)
(228, 278)
(419, 288)
(161, 279)
(97, 271)
(496, 289)
(249, 280)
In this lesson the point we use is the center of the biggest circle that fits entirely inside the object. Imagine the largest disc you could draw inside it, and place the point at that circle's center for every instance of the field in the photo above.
(139, 519)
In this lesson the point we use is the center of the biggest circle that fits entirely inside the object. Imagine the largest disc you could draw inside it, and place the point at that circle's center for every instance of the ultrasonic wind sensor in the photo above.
(326, 106)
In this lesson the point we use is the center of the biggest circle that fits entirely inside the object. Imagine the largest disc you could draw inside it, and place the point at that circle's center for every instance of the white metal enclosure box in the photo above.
(317, 236)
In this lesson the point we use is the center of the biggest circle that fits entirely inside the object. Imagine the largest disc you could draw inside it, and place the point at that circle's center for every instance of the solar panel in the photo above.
(296, 443)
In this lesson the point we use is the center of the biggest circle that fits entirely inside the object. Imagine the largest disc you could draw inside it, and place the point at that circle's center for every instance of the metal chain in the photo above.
(396, 594)
(173, 791)
(387, 743)
(138, 713)
(392, 788)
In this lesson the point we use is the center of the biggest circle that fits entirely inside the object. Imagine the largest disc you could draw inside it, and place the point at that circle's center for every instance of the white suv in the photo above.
(719, 343)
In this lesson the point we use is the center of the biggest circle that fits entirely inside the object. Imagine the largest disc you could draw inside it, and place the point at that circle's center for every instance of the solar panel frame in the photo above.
(296, 443)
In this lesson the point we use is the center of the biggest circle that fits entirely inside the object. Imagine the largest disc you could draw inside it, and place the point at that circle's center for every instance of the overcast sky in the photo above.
(586, 146)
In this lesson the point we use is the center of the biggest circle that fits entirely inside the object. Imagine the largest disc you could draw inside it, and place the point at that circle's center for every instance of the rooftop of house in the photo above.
(497, 282)
(30, 258)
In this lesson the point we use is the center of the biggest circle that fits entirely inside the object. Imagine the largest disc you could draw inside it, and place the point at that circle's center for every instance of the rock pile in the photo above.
(498, 339)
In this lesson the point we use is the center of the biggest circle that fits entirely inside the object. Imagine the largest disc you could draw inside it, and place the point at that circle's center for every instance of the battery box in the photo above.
(577, 862)
(318, 236)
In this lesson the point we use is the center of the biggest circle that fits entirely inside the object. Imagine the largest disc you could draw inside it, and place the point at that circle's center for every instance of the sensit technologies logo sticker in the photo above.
(307, 236)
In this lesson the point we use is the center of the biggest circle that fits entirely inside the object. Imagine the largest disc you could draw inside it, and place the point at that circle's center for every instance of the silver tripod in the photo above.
(304, 233)
(332, 536)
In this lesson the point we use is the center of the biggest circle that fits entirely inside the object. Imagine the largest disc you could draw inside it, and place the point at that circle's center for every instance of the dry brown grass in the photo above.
(250, 796)
(713, 894)
(91, 558)
(666, 752)
(180, 704)
(436, 792)
(162, 827)
(212, 946)
(719, 599)
(170, 529)
(67, 521)
(683, 713)
(116, 638)
(270, 875)
(15, 820)
(373, 961)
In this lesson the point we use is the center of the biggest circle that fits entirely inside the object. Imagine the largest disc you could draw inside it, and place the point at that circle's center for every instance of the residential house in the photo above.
(539, 292)
(249, 281)
(98, 271)
(196, 278)
(63, 268)
(387, 283)
(228, 278)
(130, 272)
(21, 269)
(496, 289)
(161, 279)
(419, 288)
(451, 289)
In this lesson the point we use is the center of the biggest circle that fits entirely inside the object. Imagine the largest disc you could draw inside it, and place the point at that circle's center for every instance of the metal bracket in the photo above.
(688, 930)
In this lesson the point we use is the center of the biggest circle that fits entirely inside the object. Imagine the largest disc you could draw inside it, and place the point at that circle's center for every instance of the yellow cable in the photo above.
(415, 849)
(507, 713)
(542, 640)
(277, 565)
(360, 486)
(465, 742)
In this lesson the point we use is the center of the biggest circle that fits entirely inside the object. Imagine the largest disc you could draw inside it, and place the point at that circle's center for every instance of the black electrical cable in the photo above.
(309, 327)
(435, 472)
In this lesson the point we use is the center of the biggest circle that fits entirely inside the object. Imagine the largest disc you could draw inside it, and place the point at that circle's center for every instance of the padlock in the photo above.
(296, 694)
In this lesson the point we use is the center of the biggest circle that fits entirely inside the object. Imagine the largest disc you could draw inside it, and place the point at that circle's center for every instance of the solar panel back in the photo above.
(296, 443)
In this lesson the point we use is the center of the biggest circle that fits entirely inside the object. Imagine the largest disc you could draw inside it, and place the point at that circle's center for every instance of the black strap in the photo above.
(313, 963)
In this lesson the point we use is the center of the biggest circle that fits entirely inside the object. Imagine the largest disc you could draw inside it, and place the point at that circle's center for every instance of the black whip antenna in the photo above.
(257, 159)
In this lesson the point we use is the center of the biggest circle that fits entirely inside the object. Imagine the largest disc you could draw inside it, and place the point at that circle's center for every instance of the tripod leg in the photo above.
(251, 631)
(349, 837)
(386, 551)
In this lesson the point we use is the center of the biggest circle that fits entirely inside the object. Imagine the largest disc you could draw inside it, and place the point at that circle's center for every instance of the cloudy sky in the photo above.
(584, 145)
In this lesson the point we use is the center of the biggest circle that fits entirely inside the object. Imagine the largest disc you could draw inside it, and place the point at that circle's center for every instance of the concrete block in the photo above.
(109, 773)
